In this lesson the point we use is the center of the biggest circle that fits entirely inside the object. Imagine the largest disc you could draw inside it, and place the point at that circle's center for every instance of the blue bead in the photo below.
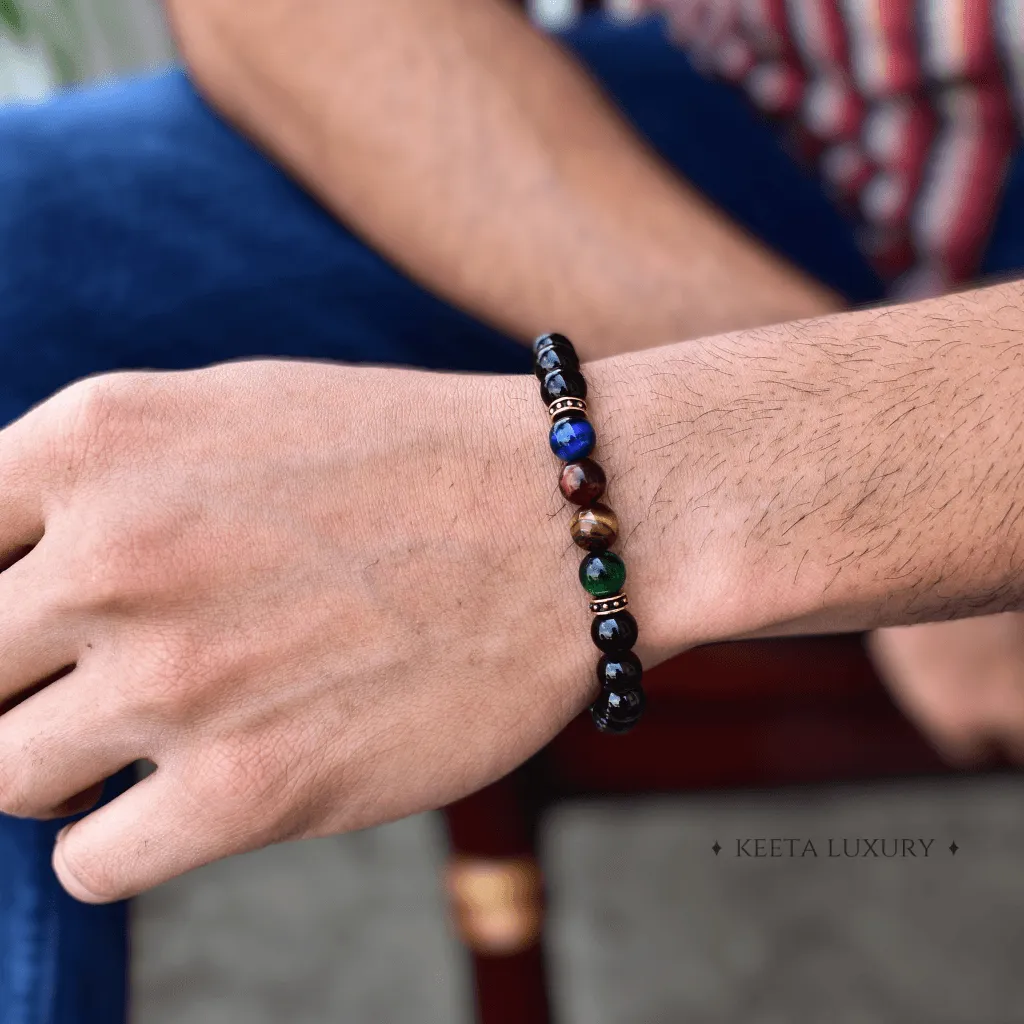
(572, 439)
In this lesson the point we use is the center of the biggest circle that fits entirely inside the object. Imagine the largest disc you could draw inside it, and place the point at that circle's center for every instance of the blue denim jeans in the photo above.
(138, 230)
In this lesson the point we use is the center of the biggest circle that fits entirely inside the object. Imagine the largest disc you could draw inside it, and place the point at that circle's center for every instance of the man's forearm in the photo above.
(477, 155)
(860, 470)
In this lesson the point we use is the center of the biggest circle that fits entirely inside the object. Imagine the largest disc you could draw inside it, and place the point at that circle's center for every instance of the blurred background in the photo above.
(44, 43)
(646, 921)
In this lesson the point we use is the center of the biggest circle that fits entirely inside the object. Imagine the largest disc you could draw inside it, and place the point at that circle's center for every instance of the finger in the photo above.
(37, 638)
(150, 834)
(962, 749)
(60, 743)
(79, 803)
(1012, 749)
(22, 456)
(956, 731)
(1006, 722)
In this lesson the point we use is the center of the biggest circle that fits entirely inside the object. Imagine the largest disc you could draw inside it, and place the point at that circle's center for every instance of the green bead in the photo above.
(602, 574)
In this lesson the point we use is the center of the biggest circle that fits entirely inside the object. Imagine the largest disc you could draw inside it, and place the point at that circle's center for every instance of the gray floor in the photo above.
(648, 924)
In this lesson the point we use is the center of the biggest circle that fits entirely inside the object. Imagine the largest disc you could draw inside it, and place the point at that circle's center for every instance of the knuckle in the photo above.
(250, 782)
(130, 557)
(97, 414)
(113, 566)
(102, 571)
(241, 769)
(93, 407)
(164, 683)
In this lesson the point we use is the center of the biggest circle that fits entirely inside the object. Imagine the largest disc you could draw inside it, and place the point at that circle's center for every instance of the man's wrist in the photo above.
(670, 579)
(655, 451)
(829, 475)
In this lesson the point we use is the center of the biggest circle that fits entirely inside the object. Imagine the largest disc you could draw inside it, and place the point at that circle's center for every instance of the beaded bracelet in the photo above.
(594, 527)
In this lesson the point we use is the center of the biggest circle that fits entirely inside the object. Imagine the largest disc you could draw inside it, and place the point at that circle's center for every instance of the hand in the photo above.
(962, 682)
(318, 597)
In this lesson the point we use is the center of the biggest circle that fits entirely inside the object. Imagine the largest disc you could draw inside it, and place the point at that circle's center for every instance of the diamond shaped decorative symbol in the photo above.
(716, 848)
(953, 847)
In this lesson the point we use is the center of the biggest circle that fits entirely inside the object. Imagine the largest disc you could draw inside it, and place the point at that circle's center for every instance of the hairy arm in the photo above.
(306, 645)
(478, 156)
(838, 474)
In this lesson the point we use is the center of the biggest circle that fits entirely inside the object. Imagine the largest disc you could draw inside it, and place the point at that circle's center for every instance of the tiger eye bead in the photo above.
(552, 339)
(582, 482)
(602, 573)
(620, 671)
(594, 528)
(562, 384)
(615, 632)
(572, 437)
(555, 356)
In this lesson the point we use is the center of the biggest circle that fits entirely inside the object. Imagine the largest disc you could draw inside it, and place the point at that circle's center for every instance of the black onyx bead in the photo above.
(620, 671)
(562, 384)
(554, 357)
(618, 711)
(552, 339)
(614, 633)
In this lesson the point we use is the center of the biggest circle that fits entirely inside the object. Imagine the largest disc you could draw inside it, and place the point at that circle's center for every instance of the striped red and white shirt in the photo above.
(908, 108)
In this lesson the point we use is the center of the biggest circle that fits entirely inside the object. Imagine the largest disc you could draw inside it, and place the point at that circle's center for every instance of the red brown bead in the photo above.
(594, 528)
(582, 482)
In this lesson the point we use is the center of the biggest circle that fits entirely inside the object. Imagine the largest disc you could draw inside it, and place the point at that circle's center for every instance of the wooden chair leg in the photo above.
(496, 895)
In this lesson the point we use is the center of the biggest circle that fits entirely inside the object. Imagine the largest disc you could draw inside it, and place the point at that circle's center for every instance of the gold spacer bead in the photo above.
(563, 405)
(607, 605)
